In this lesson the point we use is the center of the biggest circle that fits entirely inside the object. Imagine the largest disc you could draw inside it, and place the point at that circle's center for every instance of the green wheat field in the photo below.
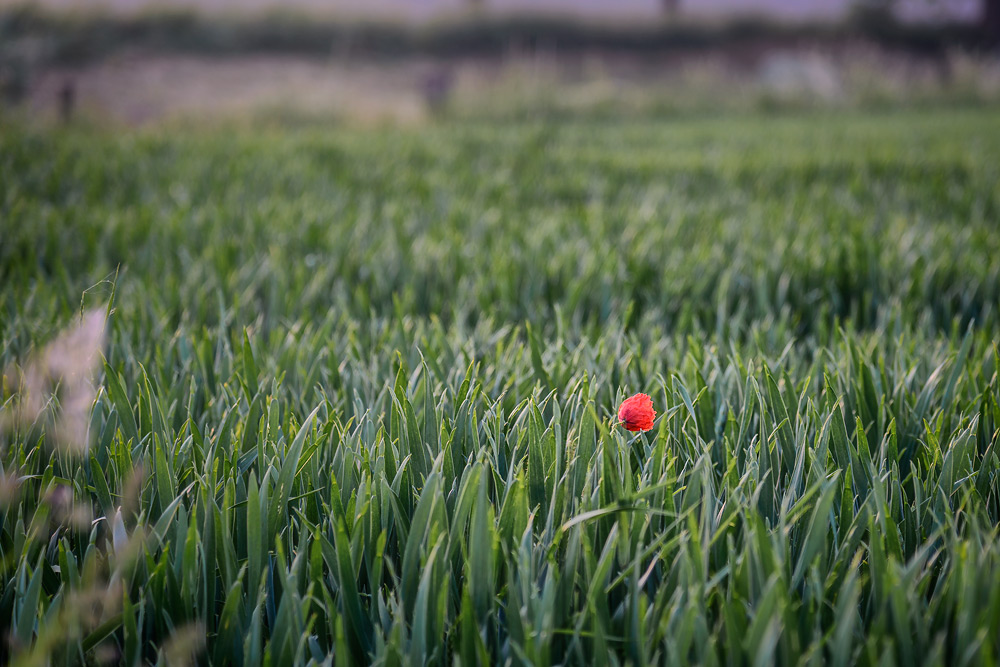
(331, 396)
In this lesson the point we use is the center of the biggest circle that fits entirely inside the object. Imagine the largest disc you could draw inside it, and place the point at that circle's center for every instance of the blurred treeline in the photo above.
(77, 37)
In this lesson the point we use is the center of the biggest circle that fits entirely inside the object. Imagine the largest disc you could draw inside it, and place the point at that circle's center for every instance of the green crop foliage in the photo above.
(358, 394)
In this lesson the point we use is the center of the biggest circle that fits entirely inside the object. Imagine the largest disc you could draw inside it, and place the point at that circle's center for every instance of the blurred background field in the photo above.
(145, 63)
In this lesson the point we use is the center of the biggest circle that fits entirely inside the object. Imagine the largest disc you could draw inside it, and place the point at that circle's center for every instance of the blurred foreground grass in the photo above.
(358, 391)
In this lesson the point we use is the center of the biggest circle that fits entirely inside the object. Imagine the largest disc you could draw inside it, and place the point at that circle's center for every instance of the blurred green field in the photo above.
(360, 388)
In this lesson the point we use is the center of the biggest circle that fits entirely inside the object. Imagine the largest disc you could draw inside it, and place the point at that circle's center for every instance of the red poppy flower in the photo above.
(637, 413)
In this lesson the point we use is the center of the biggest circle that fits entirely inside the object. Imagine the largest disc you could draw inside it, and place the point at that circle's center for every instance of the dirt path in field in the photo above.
(138, 89)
